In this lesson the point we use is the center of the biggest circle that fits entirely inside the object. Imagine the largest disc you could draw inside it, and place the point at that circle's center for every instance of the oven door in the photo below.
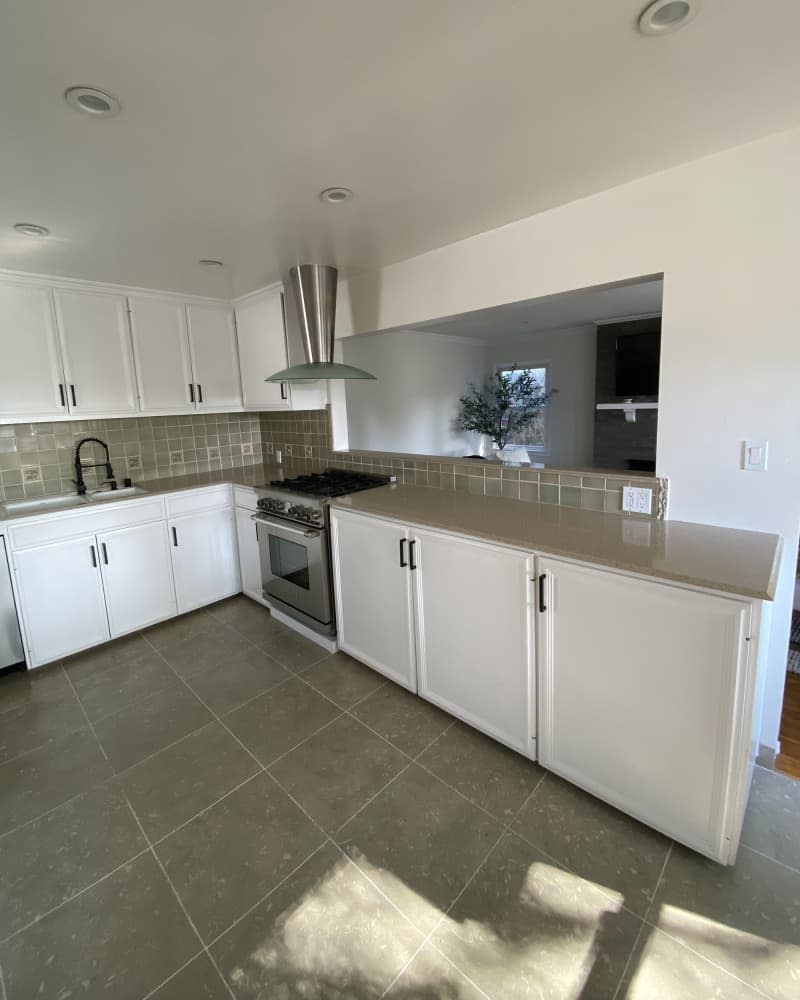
(295, 566)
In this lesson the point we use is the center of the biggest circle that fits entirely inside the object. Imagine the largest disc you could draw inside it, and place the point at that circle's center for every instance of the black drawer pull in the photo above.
(74, 398)
(542, 578)
(411, 564)
(94, 556)
(61, 394)
(105, 552)
(403, 562)
(191, 392)
(175, 536)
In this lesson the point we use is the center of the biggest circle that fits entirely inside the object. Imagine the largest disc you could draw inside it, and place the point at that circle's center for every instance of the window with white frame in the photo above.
(535, 436)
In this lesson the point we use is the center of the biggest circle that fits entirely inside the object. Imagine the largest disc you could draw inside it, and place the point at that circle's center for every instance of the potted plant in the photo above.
(507, 404)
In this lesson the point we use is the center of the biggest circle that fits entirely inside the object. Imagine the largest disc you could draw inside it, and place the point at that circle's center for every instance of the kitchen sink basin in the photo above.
(120, 494)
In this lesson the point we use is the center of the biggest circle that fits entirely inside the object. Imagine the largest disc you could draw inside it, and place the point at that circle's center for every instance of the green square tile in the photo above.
(548, 493)
(570, 496)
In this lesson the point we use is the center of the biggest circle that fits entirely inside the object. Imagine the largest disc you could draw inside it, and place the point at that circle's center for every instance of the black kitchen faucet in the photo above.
(80, 466)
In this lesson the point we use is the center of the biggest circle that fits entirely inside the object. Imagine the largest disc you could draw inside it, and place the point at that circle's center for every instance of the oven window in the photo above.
(289, 561)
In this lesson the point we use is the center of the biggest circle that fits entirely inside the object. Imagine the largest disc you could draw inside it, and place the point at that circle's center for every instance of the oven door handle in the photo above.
(282, 526)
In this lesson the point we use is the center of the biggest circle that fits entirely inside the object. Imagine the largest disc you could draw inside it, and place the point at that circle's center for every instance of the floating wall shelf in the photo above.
(628, 407)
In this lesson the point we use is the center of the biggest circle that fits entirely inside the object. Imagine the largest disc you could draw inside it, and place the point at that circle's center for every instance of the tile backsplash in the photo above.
(305, 440)
(39, 459)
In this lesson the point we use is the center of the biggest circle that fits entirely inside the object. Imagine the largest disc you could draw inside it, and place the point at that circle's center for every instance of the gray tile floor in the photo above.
(215, 809)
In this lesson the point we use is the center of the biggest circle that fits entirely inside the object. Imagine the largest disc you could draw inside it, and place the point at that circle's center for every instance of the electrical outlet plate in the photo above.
(637, 499)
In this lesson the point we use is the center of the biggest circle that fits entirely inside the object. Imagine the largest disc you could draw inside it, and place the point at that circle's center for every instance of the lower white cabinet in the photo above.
(474, 634)
(137, 576)
(644, 692)
(61, 597)
(204, 557)
(373, 587)
(249, 559)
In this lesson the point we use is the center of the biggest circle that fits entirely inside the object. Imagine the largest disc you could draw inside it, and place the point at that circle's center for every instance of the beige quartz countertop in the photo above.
(738, 562)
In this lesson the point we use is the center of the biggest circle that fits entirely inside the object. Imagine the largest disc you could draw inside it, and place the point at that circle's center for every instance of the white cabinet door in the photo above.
(96, 347)
(161, 351)
(373, 594)
(31, 379)
(640, 684)
(474, 634)
(212, 341)
(204, 558)
(61, 598)
(249, 561)
(137, 576)
(262, 351)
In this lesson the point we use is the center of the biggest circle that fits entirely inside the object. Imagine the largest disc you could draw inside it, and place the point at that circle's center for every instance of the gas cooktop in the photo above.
(330, 483)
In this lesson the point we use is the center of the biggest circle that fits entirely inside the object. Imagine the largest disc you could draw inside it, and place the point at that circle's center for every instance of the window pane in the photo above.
(532, 436)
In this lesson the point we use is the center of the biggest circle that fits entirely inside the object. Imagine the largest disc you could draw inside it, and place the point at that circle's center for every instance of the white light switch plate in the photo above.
(754, 456)
(637, 499)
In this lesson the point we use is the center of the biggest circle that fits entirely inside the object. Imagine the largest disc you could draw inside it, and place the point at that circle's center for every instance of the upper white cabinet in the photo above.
(643, 687)
(161, 351)
(261, 333)
(31, 379)
(215, 360)
(373, 588)
(474, 606)
(96, 349)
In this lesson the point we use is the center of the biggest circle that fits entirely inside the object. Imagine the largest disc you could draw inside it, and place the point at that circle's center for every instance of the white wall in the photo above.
(413, 405)
(724, 231)
(571, 355)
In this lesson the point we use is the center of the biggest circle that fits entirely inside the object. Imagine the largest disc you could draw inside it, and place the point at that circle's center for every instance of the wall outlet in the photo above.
(754, 456)
(309, 450)
(176, 458)
(134, 463)
(31, 474)
(288, 451)
(637, 500)
(247, 448)
(269, 447)
(213, 451)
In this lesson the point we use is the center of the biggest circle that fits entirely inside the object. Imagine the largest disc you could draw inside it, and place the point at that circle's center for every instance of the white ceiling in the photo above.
(447, 117)
(564, 311)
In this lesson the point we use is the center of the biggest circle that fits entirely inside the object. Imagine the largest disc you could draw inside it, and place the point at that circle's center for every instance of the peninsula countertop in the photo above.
(730, 560)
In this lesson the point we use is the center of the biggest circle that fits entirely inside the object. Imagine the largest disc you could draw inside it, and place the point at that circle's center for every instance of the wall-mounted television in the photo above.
(637, 360)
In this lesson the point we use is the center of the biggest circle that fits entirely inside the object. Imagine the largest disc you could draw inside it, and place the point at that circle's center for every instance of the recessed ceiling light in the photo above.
(31, 229)
(664, 16)
(336, 195)
(92, 101)
(210, 262)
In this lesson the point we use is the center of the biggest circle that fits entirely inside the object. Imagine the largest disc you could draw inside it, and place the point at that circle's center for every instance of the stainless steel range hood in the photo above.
(314, 289)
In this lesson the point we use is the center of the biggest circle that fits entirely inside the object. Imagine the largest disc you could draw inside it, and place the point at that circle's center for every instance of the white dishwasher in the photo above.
(11, 651)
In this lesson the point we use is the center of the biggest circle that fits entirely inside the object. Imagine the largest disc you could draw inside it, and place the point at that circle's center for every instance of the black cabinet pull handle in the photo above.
(542, 578)
(74, 398)
(411, 564)
(283, 391)
(62, 394)
(105, 552)
(403, 562)
(94, 556)
(199, 393)
(191, 392)
(175, 536)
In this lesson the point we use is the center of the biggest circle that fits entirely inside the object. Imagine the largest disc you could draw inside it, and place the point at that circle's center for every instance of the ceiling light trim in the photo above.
(31, 229)
(92, 101)
(336, 195)
(662, 17)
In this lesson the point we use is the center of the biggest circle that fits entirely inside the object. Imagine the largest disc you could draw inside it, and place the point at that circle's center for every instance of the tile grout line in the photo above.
(41, 746)
(83, 710)
(766, 857)
(172, 975)
(179, 900)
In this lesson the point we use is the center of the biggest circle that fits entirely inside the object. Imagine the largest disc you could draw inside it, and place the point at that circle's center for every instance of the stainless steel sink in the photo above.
(120, 494)
(45, 503)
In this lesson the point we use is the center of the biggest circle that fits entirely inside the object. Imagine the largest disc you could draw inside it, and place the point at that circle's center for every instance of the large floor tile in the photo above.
(292, 650)
(421, 842)
(249, 618)
(430, 976)
(83, 666)
(169, 788)
(198, 981)
(280, 719)
(205, 652)
(772, 820)
(44, 778)
(490, 774)
(525, 927)
(326, 934)
(662, 969)
(150, 725)
(230, 856)
(21, 687)
(37, 722)
(343, 679)
(49, 860)
(120, 939)
(195, 625)
(337, 771)
(237, 678)
(595, 840)
(402, 718)
(744, 918)
(119, 686)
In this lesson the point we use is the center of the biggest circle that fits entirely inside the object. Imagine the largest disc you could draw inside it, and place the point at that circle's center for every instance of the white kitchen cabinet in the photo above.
(137, 576)
(96, 350)
(374, 594)
(261, 335)
(643, 687)
(204, 557)
(31, 377)
(61, 598)
(161, 350)
(215, 360)
(474, 634)
(249, 560)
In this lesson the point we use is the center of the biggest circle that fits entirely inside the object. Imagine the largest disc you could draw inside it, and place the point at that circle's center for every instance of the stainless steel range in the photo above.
(292, 527)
